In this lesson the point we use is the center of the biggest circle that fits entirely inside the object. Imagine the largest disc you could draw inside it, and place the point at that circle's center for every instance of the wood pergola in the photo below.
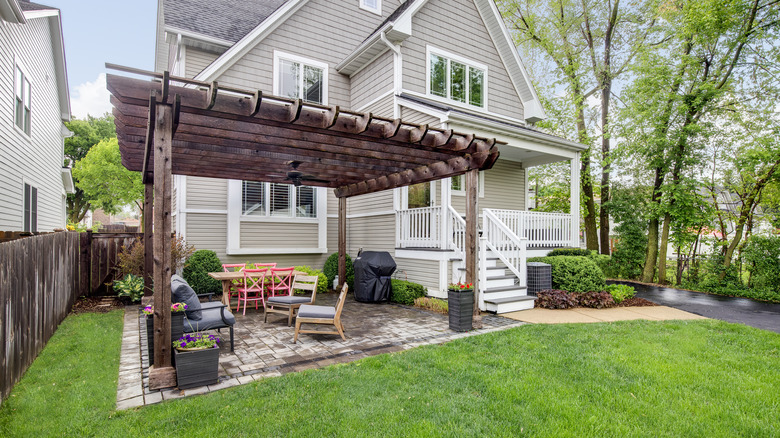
(170, 125)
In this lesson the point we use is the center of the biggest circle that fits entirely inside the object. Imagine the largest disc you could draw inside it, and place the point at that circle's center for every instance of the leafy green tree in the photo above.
(86, 133)
(106, 183)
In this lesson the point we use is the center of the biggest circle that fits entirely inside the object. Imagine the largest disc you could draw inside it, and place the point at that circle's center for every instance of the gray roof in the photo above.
(224, 19)
(392, 17)
(29, 6)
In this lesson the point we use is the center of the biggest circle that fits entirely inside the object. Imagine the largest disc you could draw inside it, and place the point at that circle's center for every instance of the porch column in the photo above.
(342, 241)
(575, 200)
(446, 201)
(472, 240)
(163, 375)
(147, 239)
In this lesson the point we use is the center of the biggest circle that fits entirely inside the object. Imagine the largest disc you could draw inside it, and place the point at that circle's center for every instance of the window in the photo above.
(300, 79)
(30, 208)
(22, 101)
(374, 6)
(280, 200)
(458, 184)
(456, 79)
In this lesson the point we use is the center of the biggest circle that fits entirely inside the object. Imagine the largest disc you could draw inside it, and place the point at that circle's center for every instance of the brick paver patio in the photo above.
(266, 349)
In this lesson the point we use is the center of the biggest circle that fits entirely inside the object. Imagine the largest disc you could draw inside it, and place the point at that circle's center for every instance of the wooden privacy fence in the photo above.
(100, 257)
(39, 282)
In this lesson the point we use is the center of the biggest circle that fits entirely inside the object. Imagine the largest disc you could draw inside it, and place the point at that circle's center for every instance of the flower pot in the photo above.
(461, 309)
(197, 367)
(177, 330)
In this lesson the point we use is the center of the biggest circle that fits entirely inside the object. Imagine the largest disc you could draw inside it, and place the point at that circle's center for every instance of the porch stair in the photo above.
(502, 294)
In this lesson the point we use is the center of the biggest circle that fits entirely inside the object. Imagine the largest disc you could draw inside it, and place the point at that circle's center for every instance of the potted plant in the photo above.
(177, 325)
(197, 360)
(460, 302)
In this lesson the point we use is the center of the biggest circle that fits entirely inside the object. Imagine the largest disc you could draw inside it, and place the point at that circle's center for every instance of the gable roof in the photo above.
(227, 20)
(11, 12)
(30, 6)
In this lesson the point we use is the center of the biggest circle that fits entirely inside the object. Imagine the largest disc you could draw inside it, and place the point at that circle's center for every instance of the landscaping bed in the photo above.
(97, 304)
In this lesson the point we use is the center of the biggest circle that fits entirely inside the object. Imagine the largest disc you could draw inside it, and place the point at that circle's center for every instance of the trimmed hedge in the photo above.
(331, 269)
(571, 252)
(322, 282)
(405, 292)
(574, 273)
(197, 269)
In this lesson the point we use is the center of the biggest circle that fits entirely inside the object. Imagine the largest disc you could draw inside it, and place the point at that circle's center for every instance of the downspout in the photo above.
(397, 61)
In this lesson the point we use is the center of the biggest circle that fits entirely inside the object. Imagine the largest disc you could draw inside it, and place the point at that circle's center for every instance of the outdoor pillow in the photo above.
(183, 293)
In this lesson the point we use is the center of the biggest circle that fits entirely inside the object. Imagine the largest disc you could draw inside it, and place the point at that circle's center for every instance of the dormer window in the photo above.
(457, 79)
(374, 6)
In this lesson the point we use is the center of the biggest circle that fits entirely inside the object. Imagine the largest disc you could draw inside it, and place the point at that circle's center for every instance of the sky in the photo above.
(96, 32)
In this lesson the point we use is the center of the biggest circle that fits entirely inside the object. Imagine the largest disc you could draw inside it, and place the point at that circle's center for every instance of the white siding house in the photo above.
(34, 104)
(445, 63)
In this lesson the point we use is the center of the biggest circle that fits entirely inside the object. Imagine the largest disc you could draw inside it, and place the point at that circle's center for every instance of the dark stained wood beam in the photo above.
(148, 245)
(472, 238)
(342, 241)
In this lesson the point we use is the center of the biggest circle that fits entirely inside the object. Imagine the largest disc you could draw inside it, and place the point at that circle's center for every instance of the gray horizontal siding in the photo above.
(370, 203)
(374, 233)
(472, 42)
(207, 231)
(278, 235)
(196, 60)
(36, 159)
(206, 193)
(504, 188)
(424, 272)
(372, 81)
(419, 118)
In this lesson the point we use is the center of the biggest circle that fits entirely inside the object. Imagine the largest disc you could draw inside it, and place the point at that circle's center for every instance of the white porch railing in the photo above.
(419, 228)
(457, 225)
(541, 229)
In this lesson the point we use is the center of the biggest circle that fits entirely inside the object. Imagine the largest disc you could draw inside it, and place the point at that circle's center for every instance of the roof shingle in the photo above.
(227, 20)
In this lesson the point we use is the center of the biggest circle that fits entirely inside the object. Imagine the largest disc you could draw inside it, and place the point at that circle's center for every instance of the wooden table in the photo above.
(227, 280)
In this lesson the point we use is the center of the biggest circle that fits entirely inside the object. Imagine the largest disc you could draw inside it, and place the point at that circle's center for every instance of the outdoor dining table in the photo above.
(227, 280)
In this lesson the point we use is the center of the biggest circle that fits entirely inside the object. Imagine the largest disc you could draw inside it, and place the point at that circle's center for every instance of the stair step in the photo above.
(509, 299)
(502, 277)
(506, 305)
(458, 259)
(489, 268)
(504, 289)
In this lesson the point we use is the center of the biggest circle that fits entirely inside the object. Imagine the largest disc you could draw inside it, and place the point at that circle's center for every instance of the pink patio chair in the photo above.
(253, 288)
(281, 281)
(236, 283)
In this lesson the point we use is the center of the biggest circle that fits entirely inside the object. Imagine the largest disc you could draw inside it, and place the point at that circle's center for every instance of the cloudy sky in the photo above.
(96, 32)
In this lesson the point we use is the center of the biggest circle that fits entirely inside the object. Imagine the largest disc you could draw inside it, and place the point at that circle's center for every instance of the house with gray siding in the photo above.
(34, 104)
(443, 63)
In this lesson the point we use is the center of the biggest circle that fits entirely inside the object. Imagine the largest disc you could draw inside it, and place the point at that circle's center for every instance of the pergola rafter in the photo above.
(168, 125)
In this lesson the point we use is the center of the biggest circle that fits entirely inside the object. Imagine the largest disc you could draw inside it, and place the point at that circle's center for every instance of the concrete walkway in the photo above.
(563, 316)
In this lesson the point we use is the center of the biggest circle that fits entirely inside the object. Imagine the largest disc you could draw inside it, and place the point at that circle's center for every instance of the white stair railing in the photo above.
(505, 244)
(458, 226)
(541, 229)
(419, 228)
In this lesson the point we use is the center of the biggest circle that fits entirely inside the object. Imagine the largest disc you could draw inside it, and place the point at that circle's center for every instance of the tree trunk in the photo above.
(662, 249)
(652, 230)
(606, 93)
(591, 231)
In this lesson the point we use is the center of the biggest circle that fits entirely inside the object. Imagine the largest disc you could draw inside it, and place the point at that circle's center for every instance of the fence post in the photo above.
(85, 263)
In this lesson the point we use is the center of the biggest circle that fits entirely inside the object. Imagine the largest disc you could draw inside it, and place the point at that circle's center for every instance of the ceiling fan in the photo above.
(296, 176)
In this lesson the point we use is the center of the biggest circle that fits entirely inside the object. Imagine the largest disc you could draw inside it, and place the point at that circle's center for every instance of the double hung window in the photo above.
(30, 208)
(22, 100)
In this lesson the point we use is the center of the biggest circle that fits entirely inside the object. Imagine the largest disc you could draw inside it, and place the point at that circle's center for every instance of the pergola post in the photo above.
(575, 200)
(147, 238)
(342, 241)
(472, 239)
(163, 374)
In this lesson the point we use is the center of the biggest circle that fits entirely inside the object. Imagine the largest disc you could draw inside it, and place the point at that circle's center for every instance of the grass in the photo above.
(637, 378)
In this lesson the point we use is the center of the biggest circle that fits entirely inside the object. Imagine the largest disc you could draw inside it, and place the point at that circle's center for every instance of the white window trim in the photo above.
(27, 182)
(377, 10)
(267, 217)
(278, 56)
(430, 50)
(462, 192)
(25, 75)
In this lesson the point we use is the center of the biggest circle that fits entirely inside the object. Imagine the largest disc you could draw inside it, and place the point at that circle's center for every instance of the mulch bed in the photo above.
(96, 305)
(636, 302)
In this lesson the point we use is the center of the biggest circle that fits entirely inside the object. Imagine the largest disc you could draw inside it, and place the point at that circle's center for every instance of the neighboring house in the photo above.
(34, 103)
(447, 64)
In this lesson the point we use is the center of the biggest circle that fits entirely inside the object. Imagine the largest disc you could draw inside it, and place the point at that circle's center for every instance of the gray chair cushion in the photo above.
(312, 311)
(288, 300)
(181, 292)
(211, 320)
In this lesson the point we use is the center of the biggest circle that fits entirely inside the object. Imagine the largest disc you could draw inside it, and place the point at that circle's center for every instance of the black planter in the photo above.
(196, 368)
(461, 309)
(177, 331)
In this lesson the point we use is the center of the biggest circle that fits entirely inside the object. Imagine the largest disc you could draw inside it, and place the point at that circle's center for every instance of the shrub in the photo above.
(331, 269)
(574, 273)
(569, 252)
(405, 292)
(131, 286)
(197, 272)
(605, 263)
(620, 292)
(593, 299)
(432, 304)
(762, 259)
(131, 258)
(322, 282)
(554, 299)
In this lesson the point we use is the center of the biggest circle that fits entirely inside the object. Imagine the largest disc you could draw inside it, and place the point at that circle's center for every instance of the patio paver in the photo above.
(265, 350)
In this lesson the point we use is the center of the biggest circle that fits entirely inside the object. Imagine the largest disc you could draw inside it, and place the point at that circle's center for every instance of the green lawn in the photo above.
(697, 378)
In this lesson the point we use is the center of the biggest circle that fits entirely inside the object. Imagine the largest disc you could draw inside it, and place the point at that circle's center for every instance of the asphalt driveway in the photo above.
(740, 310)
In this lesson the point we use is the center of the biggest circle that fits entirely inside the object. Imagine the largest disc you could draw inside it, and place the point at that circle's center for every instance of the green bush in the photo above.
(322, 282)
(574, 273)
(761, 255)
(131, 286)
(331, 269)
(197, 269)
(569, 252)
(405, 292)
(620, 292)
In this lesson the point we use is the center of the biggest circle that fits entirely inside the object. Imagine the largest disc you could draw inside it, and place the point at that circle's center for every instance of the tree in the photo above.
(86, 133)
(106, 183)
(590, 44)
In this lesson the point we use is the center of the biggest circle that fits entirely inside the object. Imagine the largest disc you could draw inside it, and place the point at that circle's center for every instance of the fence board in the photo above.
(39, 279)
